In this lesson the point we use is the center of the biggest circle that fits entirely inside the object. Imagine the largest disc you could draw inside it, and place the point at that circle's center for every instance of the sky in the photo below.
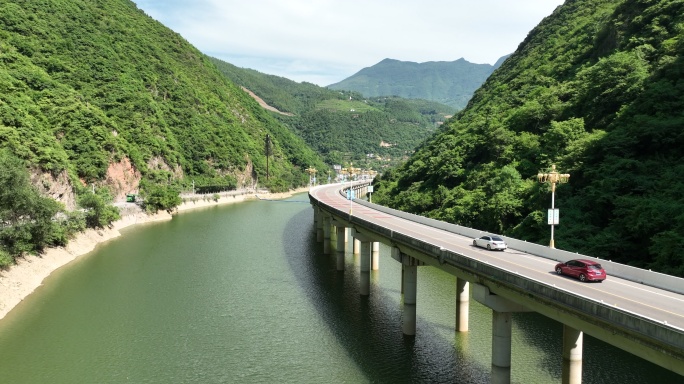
(326, 41)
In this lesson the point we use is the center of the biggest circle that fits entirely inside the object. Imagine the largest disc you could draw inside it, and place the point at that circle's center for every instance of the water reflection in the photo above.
(369, 327)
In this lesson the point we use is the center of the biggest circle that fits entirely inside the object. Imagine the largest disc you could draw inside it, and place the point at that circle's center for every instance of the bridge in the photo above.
(636, 310)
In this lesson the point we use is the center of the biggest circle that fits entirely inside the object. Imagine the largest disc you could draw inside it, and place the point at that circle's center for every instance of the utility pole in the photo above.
(552, 178)
(312, 176)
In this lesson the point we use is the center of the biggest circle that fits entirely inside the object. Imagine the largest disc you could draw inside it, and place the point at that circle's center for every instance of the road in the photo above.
(645, 301)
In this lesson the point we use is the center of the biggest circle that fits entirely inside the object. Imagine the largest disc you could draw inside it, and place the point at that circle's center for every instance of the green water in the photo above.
(243, 294)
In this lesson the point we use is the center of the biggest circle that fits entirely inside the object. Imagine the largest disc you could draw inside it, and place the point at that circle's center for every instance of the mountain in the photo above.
(596, 90)
(451, 83)
(344, 126)
(93, 88)
(98, 100)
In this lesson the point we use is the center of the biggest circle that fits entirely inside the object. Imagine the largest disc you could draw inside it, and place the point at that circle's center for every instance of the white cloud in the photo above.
(325, 41)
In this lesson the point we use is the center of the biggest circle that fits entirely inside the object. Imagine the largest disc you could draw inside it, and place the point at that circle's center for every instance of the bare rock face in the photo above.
(122, 178)
(57, 187)
(245, 179)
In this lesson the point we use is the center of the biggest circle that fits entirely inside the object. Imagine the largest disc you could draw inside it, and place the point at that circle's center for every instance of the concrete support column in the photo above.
(410, 280)
(462, 305)
(357, 246)
(401, 290)
(365, 268)
(501, 347)
(346, 235)
(502, 310)
(340, 247)
(375, 256)
(319, 225)
(327, 228)
(573, 341)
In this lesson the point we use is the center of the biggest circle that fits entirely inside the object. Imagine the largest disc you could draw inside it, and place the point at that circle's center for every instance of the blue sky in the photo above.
(326, 41)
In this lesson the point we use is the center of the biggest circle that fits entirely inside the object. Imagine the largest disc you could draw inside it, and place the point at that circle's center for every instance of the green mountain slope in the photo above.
(85, 85)
(596, 89)
(341, 126)
(451, 83)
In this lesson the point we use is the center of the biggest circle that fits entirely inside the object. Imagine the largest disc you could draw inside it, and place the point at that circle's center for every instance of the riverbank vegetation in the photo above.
(31, 222)
(595, 89)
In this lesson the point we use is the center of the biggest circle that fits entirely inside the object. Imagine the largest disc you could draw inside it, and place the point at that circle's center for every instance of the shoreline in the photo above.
(28, 273)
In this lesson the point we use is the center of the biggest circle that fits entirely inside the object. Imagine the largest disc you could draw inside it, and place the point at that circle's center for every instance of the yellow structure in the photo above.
(552, 178)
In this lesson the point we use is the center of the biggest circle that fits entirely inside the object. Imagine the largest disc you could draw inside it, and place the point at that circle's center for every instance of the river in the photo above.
(242, 293)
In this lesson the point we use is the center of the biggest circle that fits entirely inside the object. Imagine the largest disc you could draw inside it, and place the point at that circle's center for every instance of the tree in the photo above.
(98, 210)
(27, 219)
(159, 197)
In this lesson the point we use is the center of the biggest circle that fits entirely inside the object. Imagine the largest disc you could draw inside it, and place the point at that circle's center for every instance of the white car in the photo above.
(490, 242)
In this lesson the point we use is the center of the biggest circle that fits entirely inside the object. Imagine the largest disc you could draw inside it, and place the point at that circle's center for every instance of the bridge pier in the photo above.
(409, 288)
(501, 331)
(375, 256)
(341, 231)
(327, 228)
(319, 224)
(364, 262)
(365, 268)
(573, 341)
(462, 304)
(501, 347)
(401, 287)
(410, 274)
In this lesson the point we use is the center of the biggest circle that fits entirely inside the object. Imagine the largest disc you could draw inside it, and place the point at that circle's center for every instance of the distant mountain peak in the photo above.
(448, 82)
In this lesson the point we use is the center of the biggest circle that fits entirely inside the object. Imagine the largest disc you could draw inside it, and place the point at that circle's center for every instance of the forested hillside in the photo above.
(344, 126)
(86, 84)
(448, 82)
(97, 96)
(596, 89)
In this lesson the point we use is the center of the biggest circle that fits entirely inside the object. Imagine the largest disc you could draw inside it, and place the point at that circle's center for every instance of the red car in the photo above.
(585, 270)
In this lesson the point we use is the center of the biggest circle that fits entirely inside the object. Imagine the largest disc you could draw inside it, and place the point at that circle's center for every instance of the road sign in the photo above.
(553, 216)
